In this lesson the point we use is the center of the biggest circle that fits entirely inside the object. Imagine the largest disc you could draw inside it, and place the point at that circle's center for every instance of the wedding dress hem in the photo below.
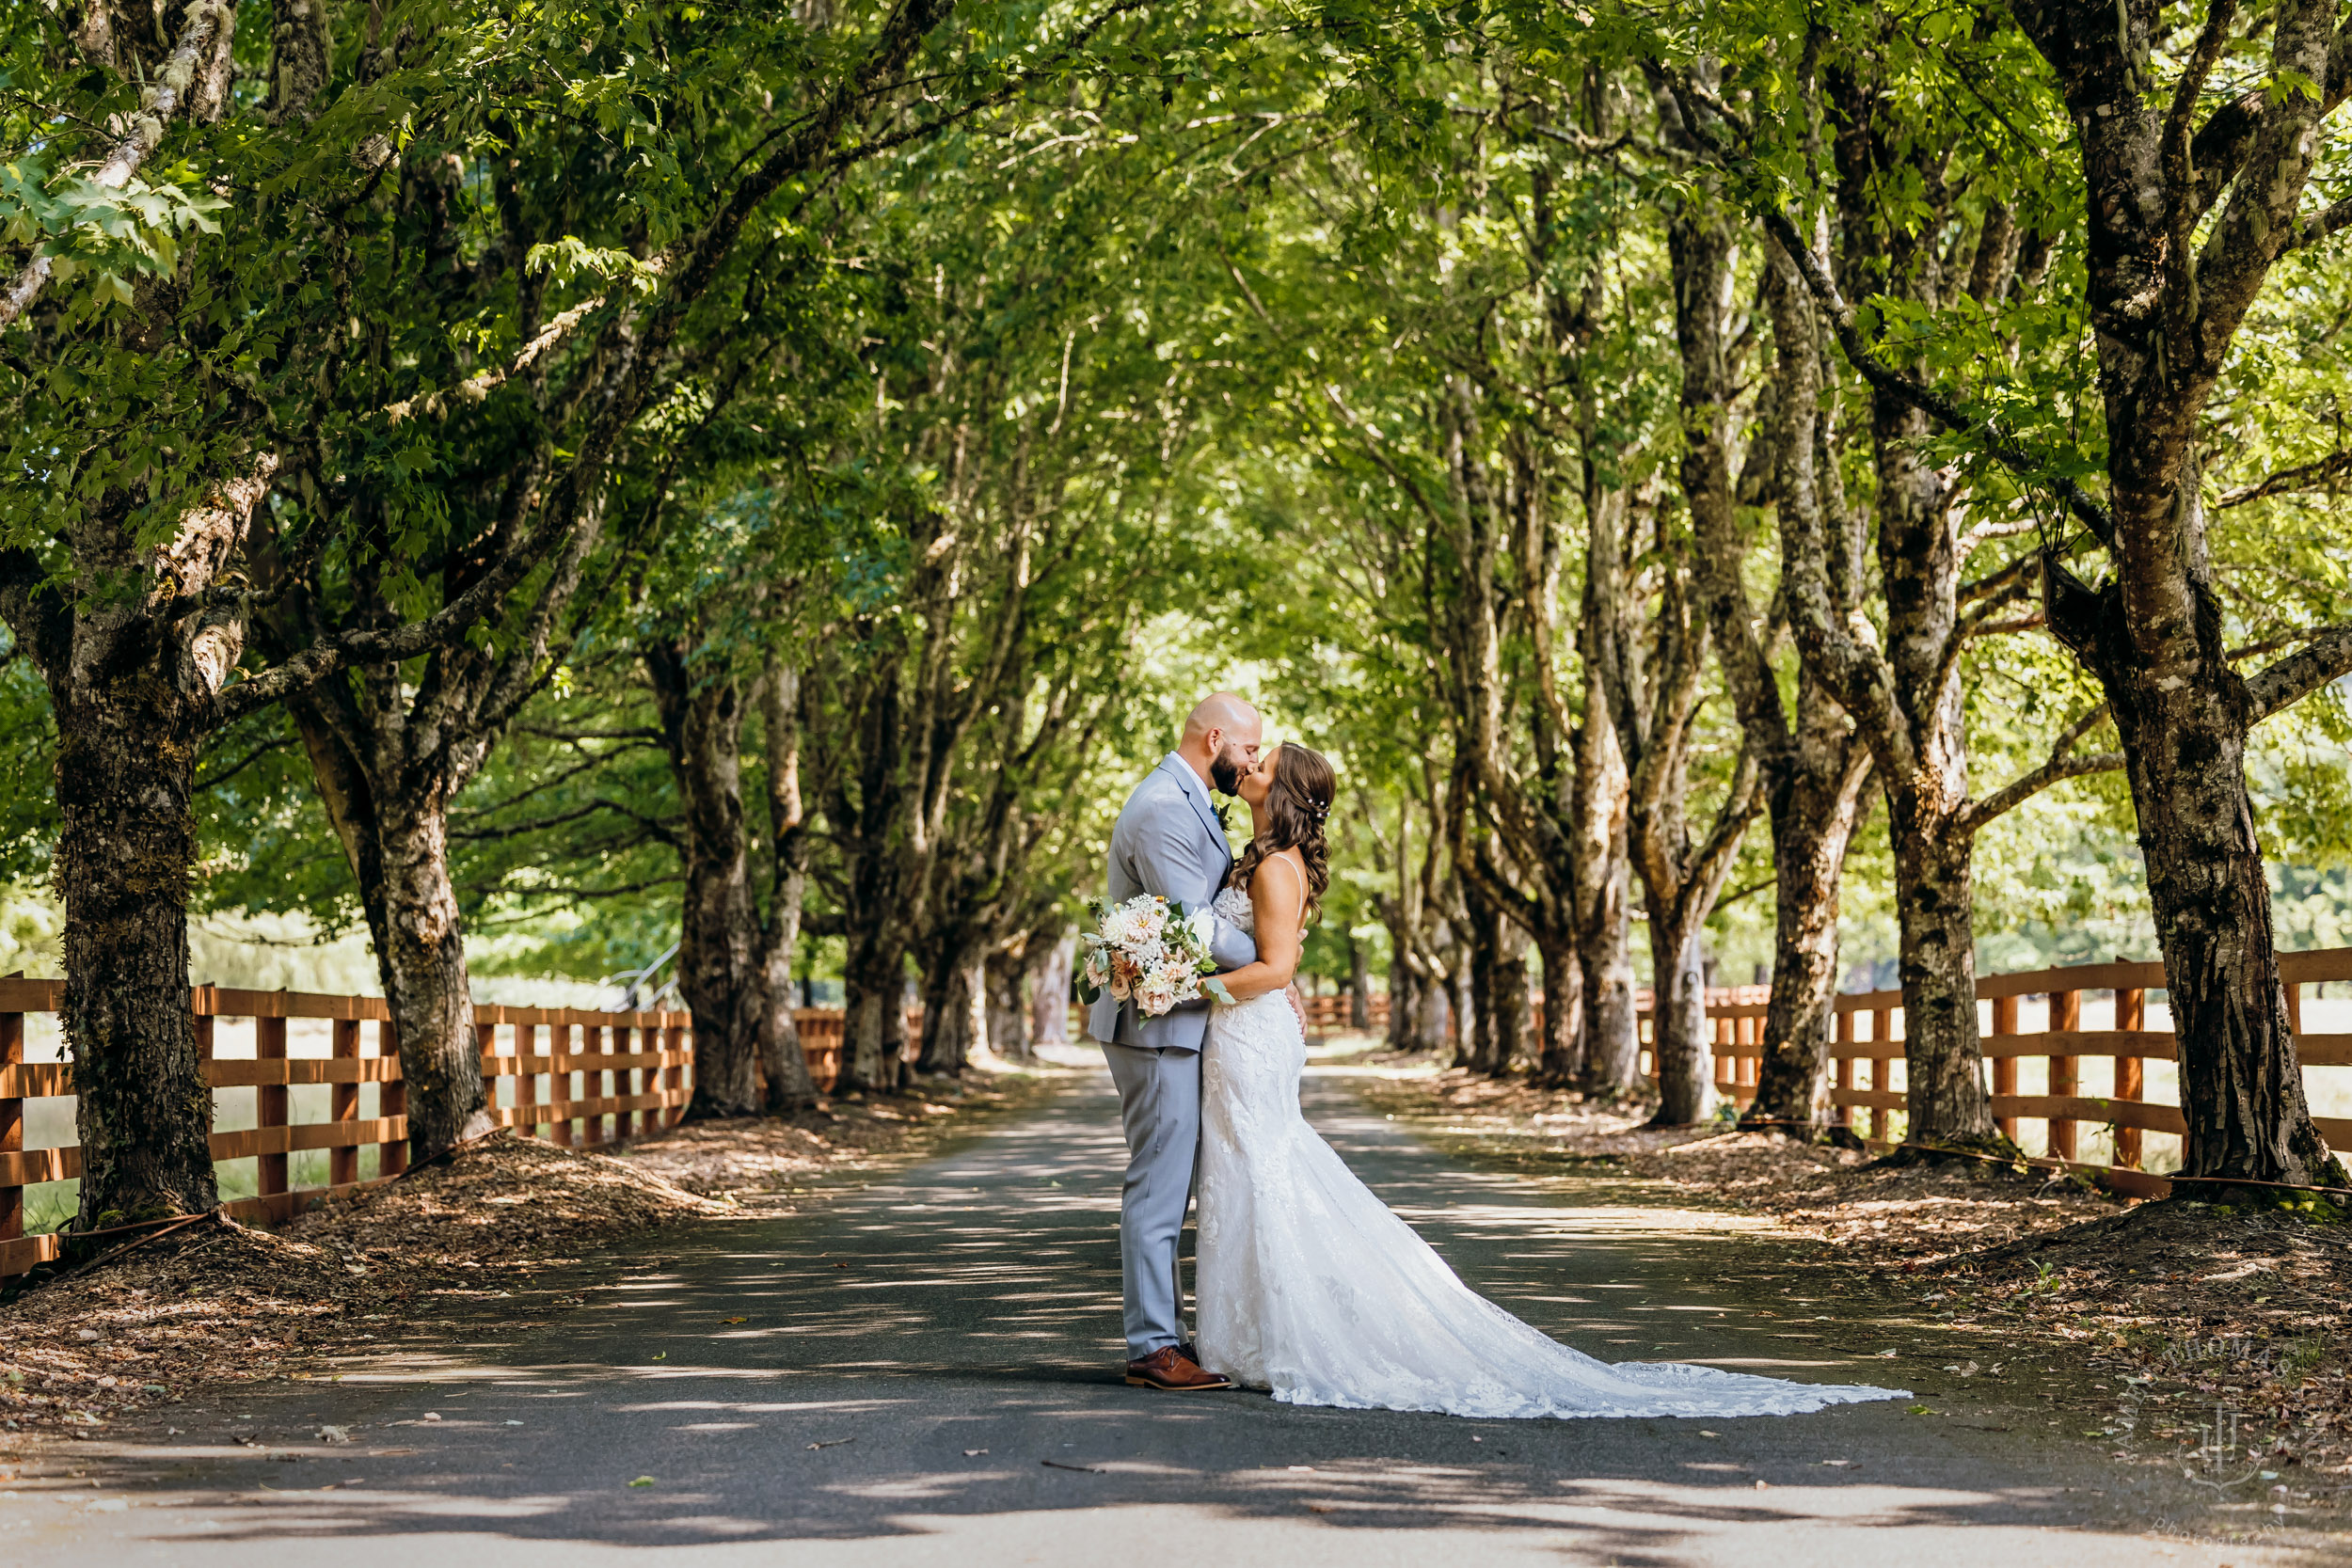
(1310, 1287)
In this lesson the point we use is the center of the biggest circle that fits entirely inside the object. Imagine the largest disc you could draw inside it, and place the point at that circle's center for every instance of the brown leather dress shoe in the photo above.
(1169, 1369)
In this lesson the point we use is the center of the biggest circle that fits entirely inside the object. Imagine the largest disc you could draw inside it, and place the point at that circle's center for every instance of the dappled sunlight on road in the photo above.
(924, 1369)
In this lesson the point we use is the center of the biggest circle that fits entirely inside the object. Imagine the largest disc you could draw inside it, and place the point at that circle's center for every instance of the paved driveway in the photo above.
(923, 1370)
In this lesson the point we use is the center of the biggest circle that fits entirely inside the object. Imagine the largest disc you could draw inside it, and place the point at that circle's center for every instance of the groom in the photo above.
(1168, 842)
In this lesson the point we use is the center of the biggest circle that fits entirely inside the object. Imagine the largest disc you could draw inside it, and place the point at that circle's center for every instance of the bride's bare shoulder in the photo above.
(1292, 879)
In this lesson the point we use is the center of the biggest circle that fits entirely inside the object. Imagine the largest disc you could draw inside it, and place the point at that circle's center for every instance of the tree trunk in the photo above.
(1459, 1002)
(897, 1068)
(1011, 1012)
(954, 1012)
(874, 983)
(1609, 1049)
(393, 824)
(783, 1061)
(127, 741)
(1815, 800)
(2163, 315)
(717, 959)
(2184, 720)
(1510, 1021)
(421, 949)
(1945, 1101)
(1050, 989)
(2241, 1081)
(1612, 1022)
(1678, 1046)
(790, 1086)
(1559, 1049)
(1359, 985)
(1478, 1047)
(1404, 990)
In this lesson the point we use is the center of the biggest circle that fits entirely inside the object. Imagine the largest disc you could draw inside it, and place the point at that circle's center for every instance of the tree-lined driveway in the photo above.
(922, 1370)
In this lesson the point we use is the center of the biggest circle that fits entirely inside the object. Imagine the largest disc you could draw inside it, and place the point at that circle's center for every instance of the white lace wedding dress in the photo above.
(1308, 1286)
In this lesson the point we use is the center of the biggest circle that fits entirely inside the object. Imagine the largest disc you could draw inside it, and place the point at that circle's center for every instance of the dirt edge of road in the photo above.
(220, 1306)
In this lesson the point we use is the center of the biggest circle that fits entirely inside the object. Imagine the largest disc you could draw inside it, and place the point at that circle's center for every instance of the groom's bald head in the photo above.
(1223, 711)
(1221, 737)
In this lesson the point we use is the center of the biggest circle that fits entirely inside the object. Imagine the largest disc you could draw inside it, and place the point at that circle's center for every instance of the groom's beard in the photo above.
(1226, 774)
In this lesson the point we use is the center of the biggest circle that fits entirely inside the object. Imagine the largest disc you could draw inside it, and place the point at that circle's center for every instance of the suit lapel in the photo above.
(1189, 782)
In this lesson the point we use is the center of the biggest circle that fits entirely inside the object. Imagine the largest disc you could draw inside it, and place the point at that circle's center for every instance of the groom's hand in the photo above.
(1299, 1009)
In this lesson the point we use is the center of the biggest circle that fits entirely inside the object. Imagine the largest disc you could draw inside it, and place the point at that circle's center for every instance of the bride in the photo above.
(1307, 1285)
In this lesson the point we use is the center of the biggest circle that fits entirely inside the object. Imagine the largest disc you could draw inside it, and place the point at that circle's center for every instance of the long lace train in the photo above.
(1309, 1287)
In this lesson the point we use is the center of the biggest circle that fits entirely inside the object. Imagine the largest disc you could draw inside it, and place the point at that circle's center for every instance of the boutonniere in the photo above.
(1220, 817)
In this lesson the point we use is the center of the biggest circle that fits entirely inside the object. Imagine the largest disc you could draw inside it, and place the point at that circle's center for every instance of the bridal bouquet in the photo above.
(1150, 952)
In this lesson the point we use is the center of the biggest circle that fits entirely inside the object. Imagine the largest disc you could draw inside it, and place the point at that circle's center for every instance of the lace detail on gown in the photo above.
(1309, 1287)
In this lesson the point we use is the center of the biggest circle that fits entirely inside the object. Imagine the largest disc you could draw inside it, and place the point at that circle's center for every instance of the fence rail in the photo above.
(578, 1079)
(1736, 1017)
(1869, 1042)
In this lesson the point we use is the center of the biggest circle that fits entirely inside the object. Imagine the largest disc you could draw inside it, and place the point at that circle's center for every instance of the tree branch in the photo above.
(2303, 476)
(2326, 658)
(2315, 227)
(2181, 208)
(1845, 323)
(1974, 817)
(654, 827)
(162, 99)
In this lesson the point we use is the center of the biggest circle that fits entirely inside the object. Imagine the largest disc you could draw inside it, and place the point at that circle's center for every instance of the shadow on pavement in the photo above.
(933, 1361)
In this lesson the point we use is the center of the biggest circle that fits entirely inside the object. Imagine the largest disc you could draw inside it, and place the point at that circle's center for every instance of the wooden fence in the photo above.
(2050, 1125)
(1869, 1043)
(1329, 1015)
(577, 1078)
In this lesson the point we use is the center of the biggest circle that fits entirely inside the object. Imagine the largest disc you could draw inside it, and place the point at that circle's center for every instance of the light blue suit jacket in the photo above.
(1167, 841)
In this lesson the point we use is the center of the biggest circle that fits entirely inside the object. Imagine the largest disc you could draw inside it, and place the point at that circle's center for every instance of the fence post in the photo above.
(493, 1066)
(591, 1042)
(2131, 1012)
(342, 1160)
(610, 1126)
(625, 1044)
(11, 1124)
(2066, 1014)
(527, 1079)
(1881, 1069)
(2005, 1068)
(1845, 1064)
(391, 1100)
(674, 1039)
(560, 1096)
(202, 1027)
(269, 1104)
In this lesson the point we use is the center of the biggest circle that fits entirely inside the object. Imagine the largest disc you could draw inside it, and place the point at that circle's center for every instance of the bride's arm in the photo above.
(1276, 896)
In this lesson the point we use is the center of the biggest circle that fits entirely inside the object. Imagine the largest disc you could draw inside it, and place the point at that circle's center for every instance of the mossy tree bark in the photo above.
(2165, 306)
(1903, 689)
(1814, 766)
(700, 706)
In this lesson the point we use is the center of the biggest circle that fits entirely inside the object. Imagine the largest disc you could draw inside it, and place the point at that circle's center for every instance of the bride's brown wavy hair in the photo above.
(1296, 803)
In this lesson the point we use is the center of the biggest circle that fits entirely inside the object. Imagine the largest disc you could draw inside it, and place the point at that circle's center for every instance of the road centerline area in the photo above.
(926, 1370)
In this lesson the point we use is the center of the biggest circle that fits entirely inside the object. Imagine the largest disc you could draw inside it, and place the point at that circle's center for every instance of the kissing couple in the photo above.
(1308, 1286)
